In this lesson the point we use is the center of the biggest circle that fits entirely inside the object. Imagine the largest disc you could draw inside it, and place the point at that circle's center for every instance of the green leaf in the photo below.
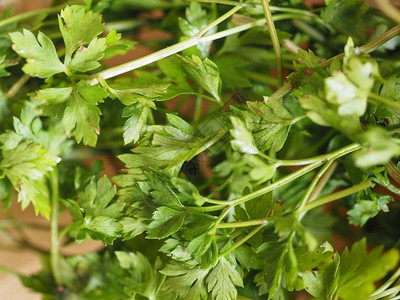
(243, 139)
(166, 221)
(269, 123)
(185, 283)
(196, 19)
(232, 73)
(136, 123)
(86, 59)
(205, 73)
(27, 166)
(78, 27)
(97, 214)
(81, 115)
(309, 76)
(222, 279)
(116, 45)
(323, 285)
(359, 270)
(41, 55)
(367, 209)
(379, 148)
(143, 278)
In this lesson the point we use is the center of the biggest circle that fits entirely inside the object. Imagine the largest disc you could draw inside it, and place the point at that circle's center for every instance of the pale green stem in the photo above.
(313, 163)
(384, 101)
(313, 184)
(243, 223)
(331, 156)
(275, 40)
(217, 21)
(386, 285)
(322, 182)
(55, 242)
(168, 51)
(338, 195)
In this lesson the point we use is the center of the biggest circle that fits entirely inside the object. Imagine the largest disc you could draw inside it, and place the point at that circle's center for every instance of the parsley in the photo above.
(220, 177)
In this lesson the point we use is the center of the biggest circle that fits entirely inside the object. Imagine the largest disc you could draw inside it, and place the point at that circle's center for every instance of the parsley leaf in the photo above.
(78, 27)
(205, 73)
(96, 215)
(41, 55)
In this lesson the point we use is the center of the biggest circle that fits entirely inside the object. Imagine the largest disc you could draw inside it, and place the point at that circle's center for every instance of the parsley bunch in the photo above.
(230, 137)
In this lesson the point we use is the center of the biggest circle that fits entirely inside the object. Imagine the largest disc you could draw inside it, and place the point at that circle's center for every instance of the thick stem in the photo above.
(54, 241)
(275, 40)
(338, 195)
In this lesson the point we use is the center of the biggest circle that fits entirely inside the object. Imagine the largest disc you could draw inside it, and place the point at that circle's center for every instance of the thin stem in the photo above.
(322, 182)
(242, 241)
(367, 48)
(276, 184)
(221, 217)
(322, 159)
(218, 21)
(387, 284)
(17, 86)
(384, 101)
(55, 242)
(168, 51)
(275, 40)
(338, 195)
(243, 223)
(313, 184)
(197, 110)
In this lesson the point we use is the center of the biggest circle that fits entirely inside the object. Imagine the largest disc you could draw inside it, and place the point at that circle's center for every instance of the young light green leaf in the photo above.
(143, 280)
(323, 285)
(269, 123)
(185, 283)
(359, 270)
(196, 19)
(26, 166)
(41, 55)
(86, 59)
(380, 148)
(222, 280)
(136, 122)
(81, 115)
(367, 209)
(166, 221)
(205, 73)
(78, 27)
(243, 139)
